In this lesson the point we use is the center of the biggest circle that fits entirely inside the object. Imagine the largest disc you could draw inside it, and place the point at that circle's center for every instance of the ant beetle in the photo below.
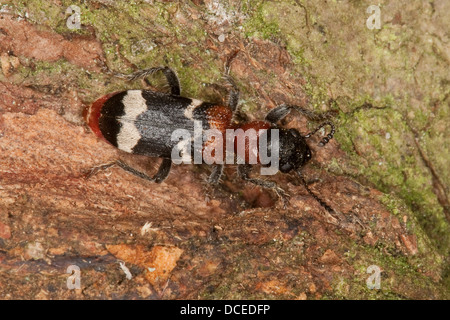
(141, 122)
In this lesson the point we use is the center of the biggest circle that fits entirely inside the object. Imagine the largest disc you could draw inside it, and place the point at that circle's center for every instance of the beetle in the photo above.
(141, 122)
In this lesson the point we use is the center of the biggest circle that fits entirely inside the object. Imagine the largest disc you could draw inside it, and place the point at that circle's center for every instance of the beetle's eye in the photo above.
(286, 167)
(295, 133)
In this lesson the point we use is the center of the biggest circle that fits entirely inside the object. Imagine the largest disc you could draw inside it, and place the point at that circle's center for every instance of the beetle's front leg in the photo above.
(244, 171)
(281, 112)
(277, 114)
(212, 180)
(216, 174)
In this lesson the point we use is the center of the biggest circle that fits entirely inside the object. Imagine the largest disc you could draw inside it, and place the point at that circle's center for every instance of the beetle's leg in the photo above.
(163, 170)
(131, 77)
(278, 113)
(133, 171)
(244, 171)
(337, 216)
(308, 113)
(121, 164)
(216, 174)
(173, 81)
(93, 171)
(283, 110)
(159, 177)
(170, 75)
(233, 94)
(319, 200)
(329, 136)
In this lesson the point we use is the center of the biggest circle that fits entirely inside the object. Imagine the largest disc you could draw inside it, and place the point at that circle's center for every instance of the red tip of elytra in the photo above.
(91, 114)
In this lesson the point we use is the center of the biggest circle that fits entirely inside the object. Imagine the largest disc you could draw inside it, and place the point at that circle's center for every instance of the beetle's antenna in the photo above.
(329, 136)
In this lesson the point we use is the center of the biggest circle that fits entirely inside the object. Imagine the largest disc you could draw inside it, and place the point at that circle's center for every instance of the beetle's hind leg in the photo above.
(233, 94)
(171, 76)
(244, 171)
(159, 177)
(163, 170)
(173, 81)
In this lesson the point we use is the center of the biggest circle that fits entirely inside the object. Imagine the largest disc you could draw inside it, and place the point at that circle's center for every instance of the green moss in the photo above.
(257, 25)
(42, 12)
(397, 273)
(391, 203)
(379, 142)
(393, 164)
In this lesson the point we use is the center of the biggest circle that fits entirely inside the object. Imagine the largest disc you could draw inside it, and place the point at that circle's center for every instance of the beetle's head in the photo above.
(294, 152)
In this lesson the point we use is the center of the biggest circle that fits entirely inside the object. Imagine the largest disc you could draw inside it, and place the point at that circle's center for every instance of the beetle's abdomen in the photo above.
(142, 121)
